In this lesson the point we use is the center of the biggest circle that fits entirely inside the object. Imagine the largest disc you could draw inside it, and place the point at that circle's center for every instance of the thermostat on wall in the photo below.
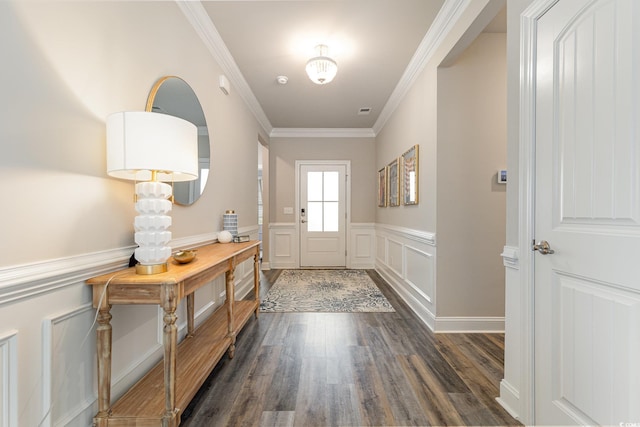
(502, 176)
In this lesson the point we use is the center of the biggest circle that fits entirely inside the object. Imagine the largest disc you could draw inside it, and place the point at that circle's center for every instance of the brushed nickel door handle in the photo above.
(543, 247)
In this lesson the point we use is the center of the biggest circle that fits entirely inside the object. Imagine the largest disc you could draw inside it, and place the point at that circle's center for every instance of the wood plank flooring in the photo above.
(352, 369)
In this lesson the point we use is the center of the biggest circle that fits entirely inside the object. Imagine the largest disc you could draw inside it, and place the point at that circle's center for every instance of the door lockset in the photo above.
(543, 247)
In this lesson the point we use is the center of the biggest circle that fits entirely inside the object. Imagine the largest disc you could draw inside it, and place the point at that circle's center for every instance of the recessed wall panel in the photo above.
(282, 245)
(395, 256)
(8, 379)
(420, 272)
(381, 249)
(363, 245)
(69, 365)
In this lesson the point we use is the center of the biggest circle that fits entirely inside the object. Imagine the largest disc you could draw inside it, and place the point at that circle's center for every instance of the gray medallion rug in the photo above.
(331, 291)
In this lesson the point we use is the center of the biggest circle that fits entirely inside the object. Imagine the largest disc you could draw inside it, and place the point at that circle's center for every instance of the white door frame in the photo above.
(528, 59)
(347, 232)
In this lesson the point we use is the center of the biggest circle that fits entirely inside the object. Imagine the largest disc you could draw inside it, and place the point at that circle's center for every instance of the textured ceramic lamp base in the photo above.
(151, 225)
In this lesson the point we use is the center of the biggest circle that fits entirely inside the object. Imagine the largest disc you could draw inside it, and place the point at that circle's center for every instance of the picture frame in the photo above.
(393, 183)
(382, 187)
(410, 176)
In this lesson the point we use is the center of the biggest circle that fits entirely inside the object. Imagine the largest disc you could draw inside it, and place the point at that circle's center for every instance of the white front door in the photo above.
(587, 207)
(322, 214)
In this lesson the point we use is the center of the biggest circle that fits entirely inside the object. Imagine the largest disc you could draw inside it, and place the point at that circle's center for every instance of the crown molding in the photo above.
(199, 19)
(448, 15)
(322, 133)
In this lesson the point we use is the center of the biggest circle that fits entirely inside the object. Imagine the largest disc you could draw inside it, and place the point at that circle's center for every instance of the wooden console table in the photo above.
(159, 398)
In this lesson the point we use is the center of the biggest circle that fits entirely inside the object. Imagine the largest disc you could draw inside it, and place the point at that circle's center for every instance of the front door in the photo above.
(587, 208)
(322, 214)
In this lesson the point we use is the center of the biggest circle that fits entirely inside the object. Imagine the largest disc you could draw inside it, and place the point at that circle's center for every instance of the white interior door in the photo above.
(587, 206)
(322, 215)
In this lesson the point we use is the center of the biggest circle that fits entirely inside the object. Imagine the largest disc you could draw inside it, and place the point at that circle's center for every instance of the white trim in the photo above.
(469, 324)
(424, 237)
(509, 398)
(322, 133)
(9, 379)
(354, 260)
(199, 19)
(27, 280)
(447, 17)
(442, 24)
(422, 242)
(347, 207)
(289, 260)
(528, 47)
(48, 351)
(510, 257)
(423, 313)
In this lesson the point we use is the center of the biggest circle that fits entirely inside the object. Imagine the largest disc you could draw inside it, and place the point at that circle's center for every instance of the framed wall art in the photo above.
(393, 181)
(382, 187)
(410, 191)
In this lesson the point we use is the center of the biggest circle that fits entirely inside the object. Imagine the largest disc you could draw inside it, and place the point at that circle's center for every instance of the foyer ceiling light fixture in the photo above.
(321, 69)
(152, 147)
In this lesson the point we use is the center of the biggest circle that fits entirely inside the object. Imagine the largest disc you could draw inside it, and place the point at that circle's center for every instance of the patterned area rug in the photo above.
(331, 291)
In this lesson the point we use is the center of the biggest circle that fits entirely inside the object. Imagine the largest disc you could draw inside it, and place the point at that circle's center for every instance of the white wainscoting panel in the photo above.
(406, 260)
(8, 379)
(362, 246)
(381, 250)
(69, 376)
(50, 302)
(283, 240)
(418, 265)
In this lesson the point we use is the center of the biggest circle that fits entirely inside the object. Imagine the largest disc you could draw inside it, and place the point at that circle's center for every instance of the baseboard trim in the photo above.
(414, 304)
(469, 325)
(509, 398)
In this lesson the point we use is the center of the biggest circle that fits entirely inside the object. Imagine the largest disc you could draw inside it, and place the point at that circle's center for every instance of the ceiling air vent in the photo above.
(364, 111)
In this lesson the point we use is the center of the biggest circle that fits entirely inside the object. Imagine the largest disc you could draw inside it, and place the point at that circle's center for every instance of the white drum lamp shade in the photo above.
(152, 147)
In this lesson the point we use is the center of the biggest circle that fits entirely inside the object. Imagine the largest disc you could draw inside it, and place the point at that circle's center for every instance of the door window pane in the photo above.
(331, 189)
(314, 216)
(331, 216)
(323, 195)
(314, 186)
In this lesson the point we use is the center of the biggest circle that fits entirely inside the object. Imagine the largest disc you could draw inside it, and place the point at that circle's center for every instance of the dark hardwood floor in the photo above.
(352, 369)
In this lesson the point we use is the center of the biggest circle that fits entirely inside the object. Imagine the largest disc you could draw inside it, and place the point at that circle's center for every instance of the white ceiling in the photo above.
(375, 43)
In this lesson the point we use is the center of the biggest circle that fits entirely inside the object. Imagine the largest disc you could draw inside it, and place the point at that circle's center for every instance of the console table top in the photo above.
(206, 256)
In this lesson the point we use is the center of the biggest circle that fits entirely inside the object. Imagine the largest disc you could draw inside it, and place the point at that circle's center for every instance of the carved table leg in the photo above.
(256, 279)
(103, 332)
(230, 289)
(170, 341)
(190, 315)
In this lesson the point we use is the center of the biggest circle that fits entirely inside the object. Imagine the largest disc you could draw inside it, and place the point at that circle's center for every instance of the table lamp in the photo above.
(150, 148)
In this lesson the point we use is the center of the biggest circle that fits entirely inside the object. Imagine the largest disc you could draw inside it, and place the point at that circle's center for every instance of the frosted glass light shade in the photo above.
(321, 69)
(139, 142)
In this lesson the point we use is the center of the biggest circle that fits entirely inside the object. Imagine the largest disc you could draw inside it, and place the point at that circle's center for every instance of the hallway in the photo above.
(352, 369)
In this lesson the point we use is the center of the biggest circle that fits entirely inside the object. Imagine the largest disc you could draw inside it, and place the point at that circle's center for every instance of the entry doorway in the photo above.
(322, 196)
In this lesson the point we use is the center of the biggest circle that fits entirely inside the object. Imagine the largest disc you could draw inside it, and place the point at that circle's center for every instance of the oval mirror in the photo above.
(172, 95)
